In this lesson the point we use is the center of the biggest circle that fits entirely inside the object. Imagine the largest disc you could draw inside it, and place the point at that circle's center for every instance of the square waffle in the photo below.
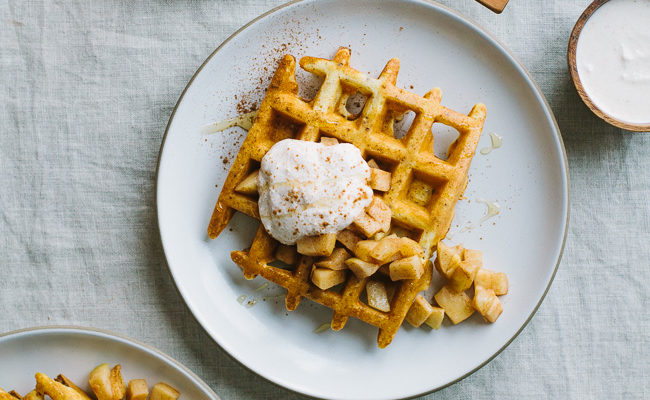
(410, 159)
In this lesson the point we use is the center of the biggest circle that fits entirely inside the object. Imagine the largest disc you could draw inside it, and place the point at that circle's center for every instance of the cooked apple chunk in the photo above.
(373, 164)
(162, 391)
(419, 312)
(377, 295)
(448, 259)
(463, 276)
(409, 247)
(248, 185)
(321, 245)
(387, 250)
(328, 141)
(469, 254)
(336, 260)
(363, 248)
(366, 224)
(326, 278)
(286, 254)
(380, 212)
(457, 305)
(107, 383)
(348, 239)
(380, 179)
(497, 281)
(487, 303)
(435, 319)
(137, 390)
(361, 269)
(406, 268)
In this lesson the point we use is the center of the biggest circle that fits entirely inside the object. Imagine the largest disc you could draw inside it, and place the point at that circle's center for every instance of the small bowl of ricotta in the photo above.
(609, 61)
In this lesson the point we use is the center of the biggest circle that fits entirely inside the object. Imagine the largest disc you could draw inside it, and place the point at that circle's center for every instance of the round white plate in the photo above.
(527, 176)
(75, 351)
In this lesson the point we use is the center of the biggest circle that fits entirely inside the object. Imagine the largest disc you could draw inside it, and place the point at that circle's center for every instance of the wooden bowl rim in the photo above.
(573, 70)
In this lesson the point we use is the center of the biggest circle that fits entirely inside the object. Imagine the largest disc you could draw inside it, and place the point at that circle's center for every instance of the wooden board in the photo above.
(495, 5)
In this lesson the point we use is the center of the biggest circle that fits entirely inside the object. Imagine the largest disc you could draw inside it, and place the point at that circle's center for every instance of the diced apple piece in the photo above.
(336, 260)
(377, 295)
(409, 247)
(386, 250)
(348, 239)
(106, 383)
(373, 164)
(435, 319)
(100, 382)
(463, 276)
(360, 268)
(457, 305)
(487, 303)
(57, 391)
(448, 259)
(406, 268)
(248, 185)
(366, 224)
(419, 312)
(286, 254)
(469, 254)
(380, 212)
(162, 391)
(326, 278)
(380, 179)
(321, 245)
(363, 248)
(328, 141)
(497, 281)
(137, 390)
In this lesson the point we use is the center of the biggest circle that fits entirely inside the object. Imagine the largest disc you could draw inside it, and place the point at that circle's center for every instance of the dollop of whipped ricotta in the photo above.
(308, 189)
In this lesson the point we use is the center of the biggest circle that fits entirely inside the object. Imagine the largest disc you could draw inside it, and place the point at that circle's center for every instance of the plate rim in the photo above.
(537, 91)
(102, 333)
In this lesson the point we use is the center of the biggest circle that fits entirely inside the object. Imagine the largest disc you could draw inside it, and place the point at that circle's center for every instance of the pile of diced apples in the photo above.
(366, 249)
(462, 268)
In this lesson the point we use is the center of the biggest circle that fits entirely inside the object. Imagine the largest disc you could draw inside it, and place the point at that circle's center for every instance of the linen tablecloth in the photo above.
(86, 90)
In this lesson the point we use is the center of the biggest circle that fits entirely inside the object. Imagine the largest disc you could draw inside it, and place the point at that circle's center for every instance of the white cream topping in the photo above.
(613, 59)
(308, 189)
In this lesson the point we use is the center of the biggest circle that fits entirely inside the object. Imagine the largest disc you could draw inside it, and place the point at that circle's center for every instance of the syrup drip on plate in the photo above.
(244, 121)
(322, 328)
(496, 142)
(493, 209)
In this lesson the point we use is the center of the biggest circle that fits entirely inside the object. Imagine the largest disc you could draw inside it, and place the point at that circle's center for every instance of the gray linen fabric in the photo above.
(86, 90)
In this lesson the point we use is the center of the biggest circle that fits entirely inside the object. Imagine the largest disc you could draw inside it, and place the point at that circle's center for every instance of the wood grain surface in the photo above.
(495, 5)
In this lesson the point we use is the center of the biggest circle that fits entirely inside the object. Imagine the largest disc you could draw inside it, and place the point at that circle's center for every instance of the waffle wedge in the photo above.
(423, 189)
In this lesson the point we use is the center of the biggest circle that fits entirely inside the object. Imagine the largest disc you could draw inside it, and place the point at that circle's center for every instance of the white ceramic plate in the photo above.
(75, 351)
(527, 176)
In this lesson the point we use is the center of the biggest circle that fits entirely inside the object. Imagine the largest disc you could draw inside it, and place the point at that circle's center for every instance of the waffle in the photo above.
(424, 188)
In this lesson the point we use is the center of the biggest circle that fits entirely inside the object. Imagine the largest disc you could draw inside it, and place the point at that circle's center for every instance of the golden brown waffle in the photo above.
(424, 189)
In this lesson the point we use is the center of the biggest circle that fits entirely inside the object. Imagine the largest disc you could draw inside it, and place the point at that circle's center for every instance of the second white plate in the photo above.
(527, 176)
(75, 351)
